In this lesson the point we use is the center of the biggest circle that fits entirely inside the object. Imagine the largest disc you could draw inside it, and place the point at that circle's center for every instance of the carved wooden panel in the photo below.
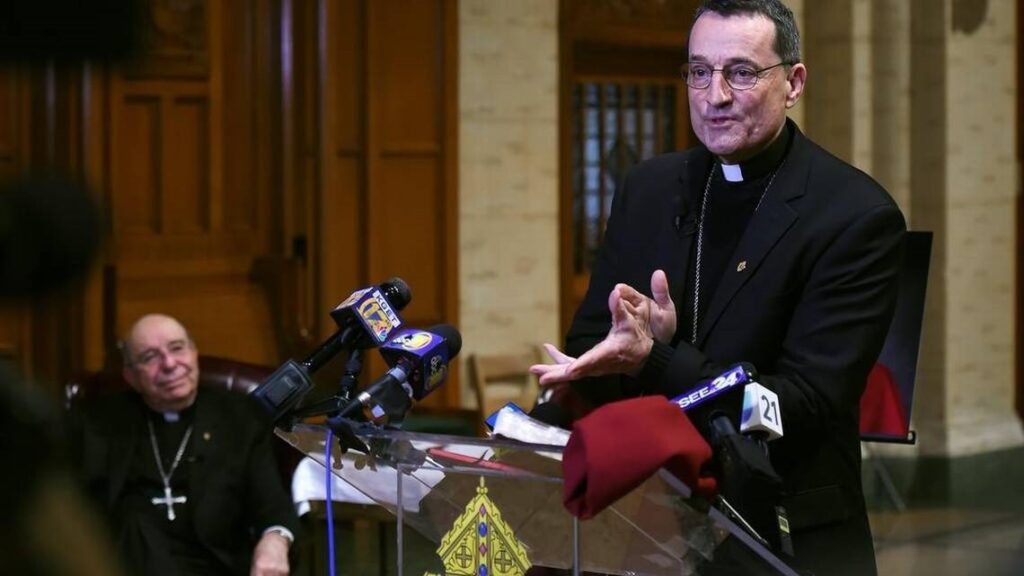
(173, 37)
(185, 167)
(407, 75)
(409, 213)
(135, 179)
(187, 211)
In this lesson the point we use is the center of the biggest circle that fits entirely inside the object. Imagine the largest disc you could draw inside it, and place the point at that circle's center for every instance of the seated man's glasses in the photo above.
(154, 356)
(738, 76)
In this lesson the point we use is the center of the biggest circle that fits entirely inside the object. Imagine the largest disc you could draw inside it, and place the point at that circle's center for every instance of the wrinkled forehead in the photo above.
(719, 39)
(156, 333)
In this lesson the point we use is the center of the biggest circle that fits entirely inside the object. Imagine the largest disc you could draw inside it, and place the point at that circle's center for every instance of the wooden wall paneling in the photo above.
(94, 129)
(15, 320)
(341, 214)
(450, 172)
(406, 177)
(186, 211)
(187, 201)
(412, 104)
(300, 72)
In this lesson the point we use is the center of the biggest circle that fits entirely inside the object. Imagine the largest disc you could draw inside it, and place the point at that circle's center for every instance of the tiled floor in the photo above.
(965, 515)
(941, 541)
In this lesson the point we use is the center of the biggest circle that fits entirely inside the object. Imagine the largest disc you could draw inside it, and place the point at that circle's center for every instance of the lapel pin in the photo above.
(206, 436)
(741, 266)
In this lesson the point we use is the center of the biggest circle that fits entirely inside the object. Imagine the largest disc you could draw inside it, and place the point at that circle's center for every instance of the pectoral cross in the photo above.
(169, 500)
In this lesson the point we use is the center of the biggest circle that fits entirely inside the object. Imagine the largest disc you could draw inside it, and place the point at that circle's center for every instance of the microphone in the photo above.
(749, 487)
(365, 319)
(760, 417)
(419, 364)
(684, 222)
(742, 373)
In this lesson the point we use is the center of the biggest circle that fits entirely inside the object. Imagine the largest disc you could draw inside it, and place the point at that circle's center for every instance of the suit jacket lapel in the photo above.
(129, 432)
(766, 228)
(204, 436)
(675, 260)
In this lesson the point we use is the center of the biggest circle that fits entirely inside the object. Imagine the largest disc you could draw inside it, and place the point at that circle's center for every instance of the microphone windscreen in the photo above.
(397, 292)
(451, 336)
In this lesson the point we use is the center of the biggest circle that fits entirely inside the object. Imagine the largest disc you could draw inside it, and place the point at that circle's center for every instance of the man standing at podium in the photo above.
(187, 480)
(759, 247)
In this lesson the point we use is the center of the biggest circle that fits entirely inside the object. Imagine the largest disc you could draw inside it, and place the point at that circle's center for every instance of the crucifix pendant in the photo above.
(169, 500)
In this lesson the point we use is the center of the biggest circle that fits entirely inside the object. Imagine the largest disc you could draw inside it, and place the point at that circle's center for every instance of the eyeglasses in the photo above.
(153, 356)
(738, 76)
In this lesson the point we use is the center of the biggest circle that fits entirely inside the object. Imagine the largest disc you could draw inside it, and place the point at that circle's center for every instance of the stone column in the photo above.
(922, 96)
(508, 176)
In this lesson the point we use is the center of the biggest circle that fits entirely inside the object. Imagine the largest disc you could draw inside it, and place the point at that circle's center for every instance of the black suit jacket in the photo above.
(807, 297)
(234, 483)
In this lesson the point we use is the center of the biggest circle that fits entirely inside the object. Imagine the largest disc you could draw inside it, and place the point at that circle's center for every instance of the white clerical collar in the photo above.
(732, 172)
(171, 416)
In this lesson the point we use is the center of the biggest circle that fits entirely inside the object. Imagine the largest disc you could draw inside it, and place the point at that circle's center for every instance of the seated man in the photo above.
(187, 480)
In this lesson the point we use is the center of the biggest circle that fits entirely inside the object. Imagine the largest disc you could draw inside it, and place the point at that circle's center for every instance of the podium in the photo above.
(493, 507)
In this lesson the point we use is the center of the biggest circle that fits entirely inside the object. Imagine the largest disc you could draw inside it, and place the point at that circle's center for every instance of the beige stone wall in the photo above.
(924, 100)
(981, 179)
(508, 176)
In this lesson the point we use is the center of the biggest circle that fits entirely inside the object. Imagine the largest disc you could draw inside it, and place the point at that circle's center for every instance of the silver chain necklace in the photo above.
(700, 242)
(168, 498)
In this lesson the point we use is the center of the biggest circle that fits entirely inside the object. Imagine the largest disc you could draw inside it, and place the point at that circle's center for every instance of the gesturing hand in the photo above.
(658, 313)
(623, 351)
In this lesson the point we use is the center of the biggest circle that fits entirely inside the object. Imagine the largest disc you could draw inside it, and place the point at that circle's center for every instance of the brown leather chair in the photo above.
(234, 375)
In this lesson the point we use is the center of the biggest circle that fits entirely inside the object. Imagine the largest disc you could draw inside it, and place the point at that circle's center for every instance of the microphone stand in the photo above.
(328, 406)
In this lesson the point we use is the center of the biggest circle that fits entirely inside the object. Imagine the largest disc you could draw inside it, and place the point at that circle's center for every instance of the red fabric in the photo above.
(881, 406)
(618, 446)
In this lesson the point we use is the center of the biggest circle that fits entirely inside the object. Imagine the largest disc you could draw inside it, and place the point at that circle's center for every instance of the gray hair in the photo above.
(787, 36)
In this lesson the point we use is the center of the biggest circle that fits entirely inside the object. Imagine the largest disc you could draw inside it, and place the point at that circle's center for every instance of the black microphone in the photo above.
(685, 222)
(419, 364)
(365, 319)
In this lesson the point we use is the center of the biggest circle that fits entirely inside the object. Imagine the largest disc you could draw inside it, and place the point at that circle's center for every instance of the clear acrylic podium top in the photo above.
(494, 507)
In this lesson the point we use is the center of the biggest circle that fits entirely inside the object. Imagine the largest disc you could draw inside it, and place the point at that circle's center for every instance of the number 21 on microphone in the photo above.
(761, 411)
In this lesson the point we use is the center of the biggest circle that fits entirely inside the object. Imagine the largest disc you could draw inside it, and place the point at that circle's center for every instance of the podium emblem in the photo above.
(480, 543)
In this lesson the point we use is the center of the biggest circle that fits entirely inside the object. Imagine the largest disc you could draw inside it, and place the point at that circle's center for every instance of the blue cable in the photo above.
(330, 507)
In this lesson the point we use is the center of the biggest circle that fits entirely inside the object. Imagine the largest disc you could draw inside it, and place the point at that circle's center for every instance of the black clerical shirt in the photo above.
(152, 544)
(728, 210)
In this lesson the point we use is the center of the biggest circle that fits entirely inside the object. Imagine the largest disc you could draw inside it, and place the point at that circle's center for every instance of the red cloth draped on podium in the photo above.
(618, 446)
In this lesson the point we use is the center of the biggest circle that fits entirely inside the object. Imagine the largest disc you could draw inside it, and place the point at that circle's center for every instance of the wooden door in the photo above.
(370, 124)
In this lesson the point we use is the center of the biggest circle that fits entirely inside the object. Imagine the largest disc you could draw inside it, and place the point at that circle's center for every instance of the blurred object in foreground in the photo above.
(49, 233)
(44, 30)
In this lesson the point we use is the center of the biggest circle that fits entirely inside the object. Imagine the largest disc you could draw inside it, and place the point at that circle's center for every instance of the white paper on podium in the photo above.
(519, 426)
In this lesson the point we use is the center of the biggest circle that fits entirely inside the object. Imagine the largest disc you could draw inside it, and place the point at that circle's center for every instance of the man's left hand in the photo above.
(270, 558)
